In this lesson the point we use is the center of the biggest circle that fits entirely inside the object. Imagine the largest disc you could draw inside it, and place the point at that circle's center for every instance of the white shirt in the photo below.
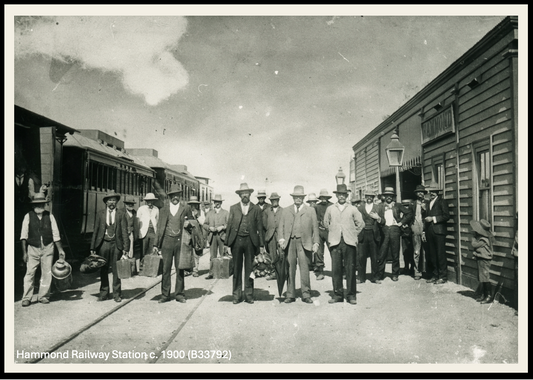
(389, 216)
(368, 207)
(174, 208)
(108, 211)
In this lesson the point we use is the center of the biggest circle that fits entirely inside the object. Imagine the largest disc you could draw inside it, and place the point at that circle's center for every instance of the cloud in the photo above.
(139, 49)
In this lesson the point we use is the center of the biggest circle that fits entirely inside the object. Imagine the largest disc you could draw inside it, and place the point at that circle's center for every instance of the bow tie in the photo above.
(388, 207)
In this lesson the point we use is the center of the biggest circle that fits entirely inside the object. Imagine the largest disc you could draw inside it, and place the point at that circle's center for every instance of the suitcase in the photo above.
(222, 267)
(124, 269)
(152, 266)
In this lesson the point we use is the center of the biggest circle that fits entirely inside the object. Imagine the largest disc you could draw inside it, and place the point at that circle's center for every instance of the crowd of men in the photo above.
(294, 238)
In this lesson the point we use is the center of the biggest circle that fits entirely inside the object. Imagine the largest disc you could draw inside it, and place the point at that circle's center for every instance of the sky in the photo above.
(267, 99)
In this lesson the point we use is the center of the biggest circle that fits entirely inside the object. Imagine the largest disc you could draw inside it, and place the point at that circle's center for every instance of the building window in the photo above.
(483, 185)
(437, 173)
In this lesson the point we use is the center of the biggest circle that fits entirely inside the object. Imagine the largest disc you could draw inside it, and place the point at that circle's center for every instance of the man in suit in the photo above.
(369, 238)
(396, 216)
(420, 207)
(344, 223)
(111, 241)
(216, 222)
(261, 197)
(298, 237)
(172, 220)
(321, 208)
(271, 218)
(435, 234)
(132, 224)
(245, 237)
(147, 215)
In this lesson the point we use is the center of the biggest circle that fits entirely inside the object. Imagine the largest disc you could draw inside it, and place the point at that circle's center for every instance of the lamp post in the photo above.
(395, 151)
(339, 177)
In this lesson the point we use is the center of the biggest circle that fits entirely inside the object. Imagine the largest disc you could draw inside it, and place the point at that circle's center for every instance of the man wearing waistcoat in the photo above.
(435, 234)
(245, 237)
(172, 220)
(111, 241)
(132, 224)
(321, 207)
(396, 216)
(298, 238)
(271, 218)
(419, 249)
(38, 235)
(369, 238)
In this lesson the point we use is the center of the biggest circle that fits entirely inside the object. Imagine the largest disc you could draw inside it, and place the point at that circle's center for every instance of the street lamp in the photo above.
(339, 177)
(395, 151)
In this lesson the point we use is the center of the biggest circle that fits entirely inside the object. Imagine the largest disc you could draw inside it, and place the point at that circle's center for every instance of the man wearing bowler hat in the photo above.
(245, 237)
(148, 216)
(111, 241)
(172, 220)
(298, 237)
(369, 238)
(396, 216)
(216, 222)
(435, 234)
(261, 197)
(271, 219)
(344, 223)
(39, 233)
(321, 207)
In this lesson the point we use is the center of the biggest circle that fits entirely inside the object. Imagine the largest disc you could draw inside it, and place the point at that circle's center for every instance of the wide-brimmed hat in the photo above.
(298, 191)
(407, 201)
(341, 189)
(433, 187)
(482, 227)
(324, 194)
(244, 187)
(218, 198)
(356, 199)
(193, 200)
(208, 203)
(174, 190)
(420, 188)
(274, 196)
(39, 198)
(111, 194)
(261, 194)
(389, 191)
(369, 193)
(311, 197)
(92, 264)
(129, 199)
(150, 197)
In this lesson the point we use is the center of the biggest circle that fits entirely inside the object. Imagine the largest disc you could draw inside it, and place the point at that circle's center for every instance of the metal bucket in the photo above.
(62, 275)
(63, 284)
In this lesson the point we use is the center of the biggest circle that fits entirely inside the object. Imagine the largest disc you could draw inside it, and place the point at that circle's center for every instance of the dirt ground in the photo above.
(405, 322)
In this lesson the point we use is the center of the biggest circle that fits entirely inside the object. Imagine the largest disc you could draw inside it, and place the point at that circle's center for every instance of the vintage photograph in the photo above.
(265, 189)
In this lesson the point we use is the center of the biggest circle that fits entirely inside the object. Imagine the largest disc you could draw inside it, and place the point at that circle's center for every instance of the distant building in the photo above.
(206, 191)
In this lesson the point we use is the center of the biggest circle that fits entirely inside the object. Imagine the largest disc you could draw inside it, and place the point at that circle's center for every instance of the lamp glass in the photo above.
(339, 177)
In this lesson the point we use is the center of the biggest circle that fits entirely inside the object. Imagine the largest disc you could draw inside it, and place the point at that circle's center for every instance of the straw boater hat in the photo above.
(111, 194)
(150, 197)
(193, 200)
(244, 187)
(274, 196)
(389, 191)
(482, 227)
(129, 200)
(298, 191)
(324, 194)
(312, 198)
(261, 194)
(420, 188)
(341, 189)
(174, 190)
(218, 198)
(39, 198)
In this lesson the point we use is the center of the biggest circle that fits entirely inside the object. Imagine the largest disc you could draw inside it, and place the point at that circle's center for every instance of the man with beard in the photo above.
(261, 196)
(111, 241)
(396, 216)
(216, 221)
(245, 237)
(369, 238)
(417, 227)
(271, 219)
(172, 220)
(147, 215)
(321, 207)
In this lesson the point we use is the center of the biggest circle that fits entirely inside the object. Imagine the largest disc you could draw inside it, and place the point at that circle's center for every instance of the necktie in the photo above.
(109, 218)
(297, 209)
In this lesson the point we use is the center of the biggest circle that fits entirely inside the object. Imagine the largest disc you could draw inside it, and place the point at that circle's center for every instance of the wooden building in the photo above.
(461, 132)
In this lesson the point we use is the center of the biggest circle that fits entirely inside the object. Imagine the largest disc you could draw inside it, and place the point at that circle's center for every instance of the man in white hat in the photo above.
(111, 241)
(298, 237)
(344, 223)
(38, 235)
(197, 232)
(216, 222)
(245, 237)
(261, 197)
(172, 219)
(147, 215)
(396, 216)
(271, 219)
(435, 229)
(321, 208)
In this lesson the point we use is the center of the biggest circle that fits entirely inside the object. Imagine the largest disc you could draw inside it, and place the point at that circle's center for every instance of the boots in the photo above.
(488, 293)
(481, 288)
